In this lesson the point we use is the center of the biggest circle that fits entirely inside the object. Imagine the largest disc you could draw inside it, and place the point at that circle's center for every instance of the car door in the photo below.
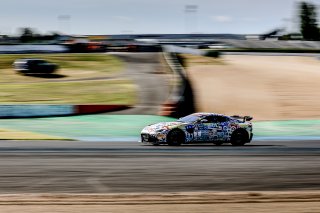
(206, 129)
(213, 128)
(223, 130)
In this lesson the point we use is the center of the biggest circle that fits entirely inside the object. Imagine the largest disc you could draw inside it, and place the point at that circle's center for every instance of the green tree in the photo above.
(308, 21)
(27, 34)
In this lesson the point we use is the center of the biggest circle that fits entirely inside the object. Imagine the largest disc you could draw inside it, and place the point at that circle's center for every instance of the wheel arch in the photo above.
(241, 130)
(177, 129)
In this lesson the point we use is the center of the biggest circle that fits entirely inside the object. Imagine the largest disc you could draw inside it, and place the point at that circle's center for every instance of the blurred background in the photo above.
(160, 58)
(76, 73)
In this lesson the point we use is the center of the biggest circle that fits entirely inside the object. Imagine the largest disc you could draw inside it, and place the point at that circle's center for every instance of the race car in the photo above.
(200, 128)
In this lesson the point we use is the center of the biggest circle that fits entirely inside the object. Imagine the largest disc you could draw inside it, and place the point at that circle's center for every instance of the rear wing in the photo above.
(244, 118)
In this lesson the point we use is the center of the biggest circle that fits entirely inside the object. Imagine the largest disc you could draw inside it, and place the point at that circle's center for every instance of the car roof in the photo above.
(202, 114)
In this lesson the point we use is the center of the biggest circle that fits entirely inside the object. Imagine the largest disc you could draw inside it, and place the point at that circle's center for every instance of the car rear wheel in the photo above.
(175, 138)
(239, 138)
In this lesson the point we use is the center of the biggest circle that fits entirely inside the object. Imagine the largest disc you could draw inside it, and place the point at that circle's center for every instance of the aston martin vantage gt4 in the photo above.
(200, 128)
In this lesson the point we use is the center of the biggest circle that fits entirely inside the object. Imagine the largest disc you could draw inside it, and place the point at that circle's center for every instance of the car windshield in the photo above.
(189, 119)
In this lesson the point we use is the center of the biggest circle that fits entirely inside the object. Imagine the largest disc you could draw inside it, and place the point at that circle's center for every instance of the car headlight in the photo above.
(160, 130)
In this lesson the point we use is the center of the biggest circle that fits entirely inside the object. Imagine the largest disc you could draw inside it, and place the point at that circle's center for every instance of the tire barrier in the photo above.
(28, 111)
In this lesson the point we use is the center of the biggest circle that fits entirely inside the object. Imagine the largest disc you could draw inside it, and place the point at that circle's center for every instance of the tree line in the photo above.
(29, 35)
(308, 21)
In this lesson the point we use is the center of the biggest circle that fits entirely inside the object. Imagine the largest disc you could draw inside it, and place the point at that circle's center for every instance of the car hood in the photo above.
(162, 126)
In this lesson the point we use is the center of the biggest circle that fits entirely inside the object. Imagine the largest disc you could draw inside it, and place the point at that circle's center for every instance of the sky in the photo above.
(148, 16)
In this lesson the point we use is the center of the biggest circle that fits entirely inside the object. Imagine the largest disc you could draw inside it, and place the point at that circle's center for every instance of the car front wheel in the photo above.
(175, 138)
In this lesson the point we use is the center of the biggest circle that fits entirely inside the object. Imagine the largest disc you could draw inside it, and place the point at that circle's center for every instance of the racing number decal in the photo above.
(190, 132)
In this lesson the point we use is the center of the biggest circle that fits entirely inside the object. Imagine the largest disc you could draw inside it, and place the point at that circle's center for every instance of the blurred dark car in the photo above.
(34, 66)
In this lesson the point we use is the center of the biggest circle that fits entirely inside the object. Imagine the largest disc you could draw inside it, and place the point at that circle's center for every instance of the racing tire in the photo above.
(175, 138)
(239, 137)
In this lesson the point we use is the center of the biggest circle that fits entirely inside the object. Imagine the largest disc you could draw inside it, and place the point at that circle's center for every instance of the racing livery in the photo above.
(200, 128)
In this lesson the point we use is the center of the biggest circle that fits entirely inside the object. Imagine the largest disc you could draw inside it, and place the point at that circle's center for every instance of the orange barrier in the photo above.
(168, 108)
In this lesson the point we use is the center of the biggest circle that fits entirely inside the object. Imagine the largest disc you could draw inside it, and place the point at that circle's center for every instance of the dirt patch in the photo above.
(266, 87)
(173, 202)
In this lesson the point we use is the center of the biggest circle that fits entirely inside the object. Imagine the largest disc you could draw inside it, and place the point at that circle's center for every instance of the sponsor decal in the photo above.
(197, 132)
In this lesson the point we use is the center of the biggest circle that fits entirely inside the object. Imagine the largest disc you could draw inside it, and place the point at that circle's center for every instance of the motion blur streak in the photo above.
(77, 167)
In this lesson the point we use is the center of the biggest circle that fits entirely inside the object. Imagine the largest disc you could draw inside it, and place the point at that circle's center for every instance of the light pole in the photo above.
(191, 17)
(64, 23)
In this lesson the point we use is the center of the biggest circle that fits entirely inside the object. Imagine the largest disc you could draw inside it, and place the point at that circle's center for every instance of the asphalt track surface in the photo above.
(148, 73)
(110, 167)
